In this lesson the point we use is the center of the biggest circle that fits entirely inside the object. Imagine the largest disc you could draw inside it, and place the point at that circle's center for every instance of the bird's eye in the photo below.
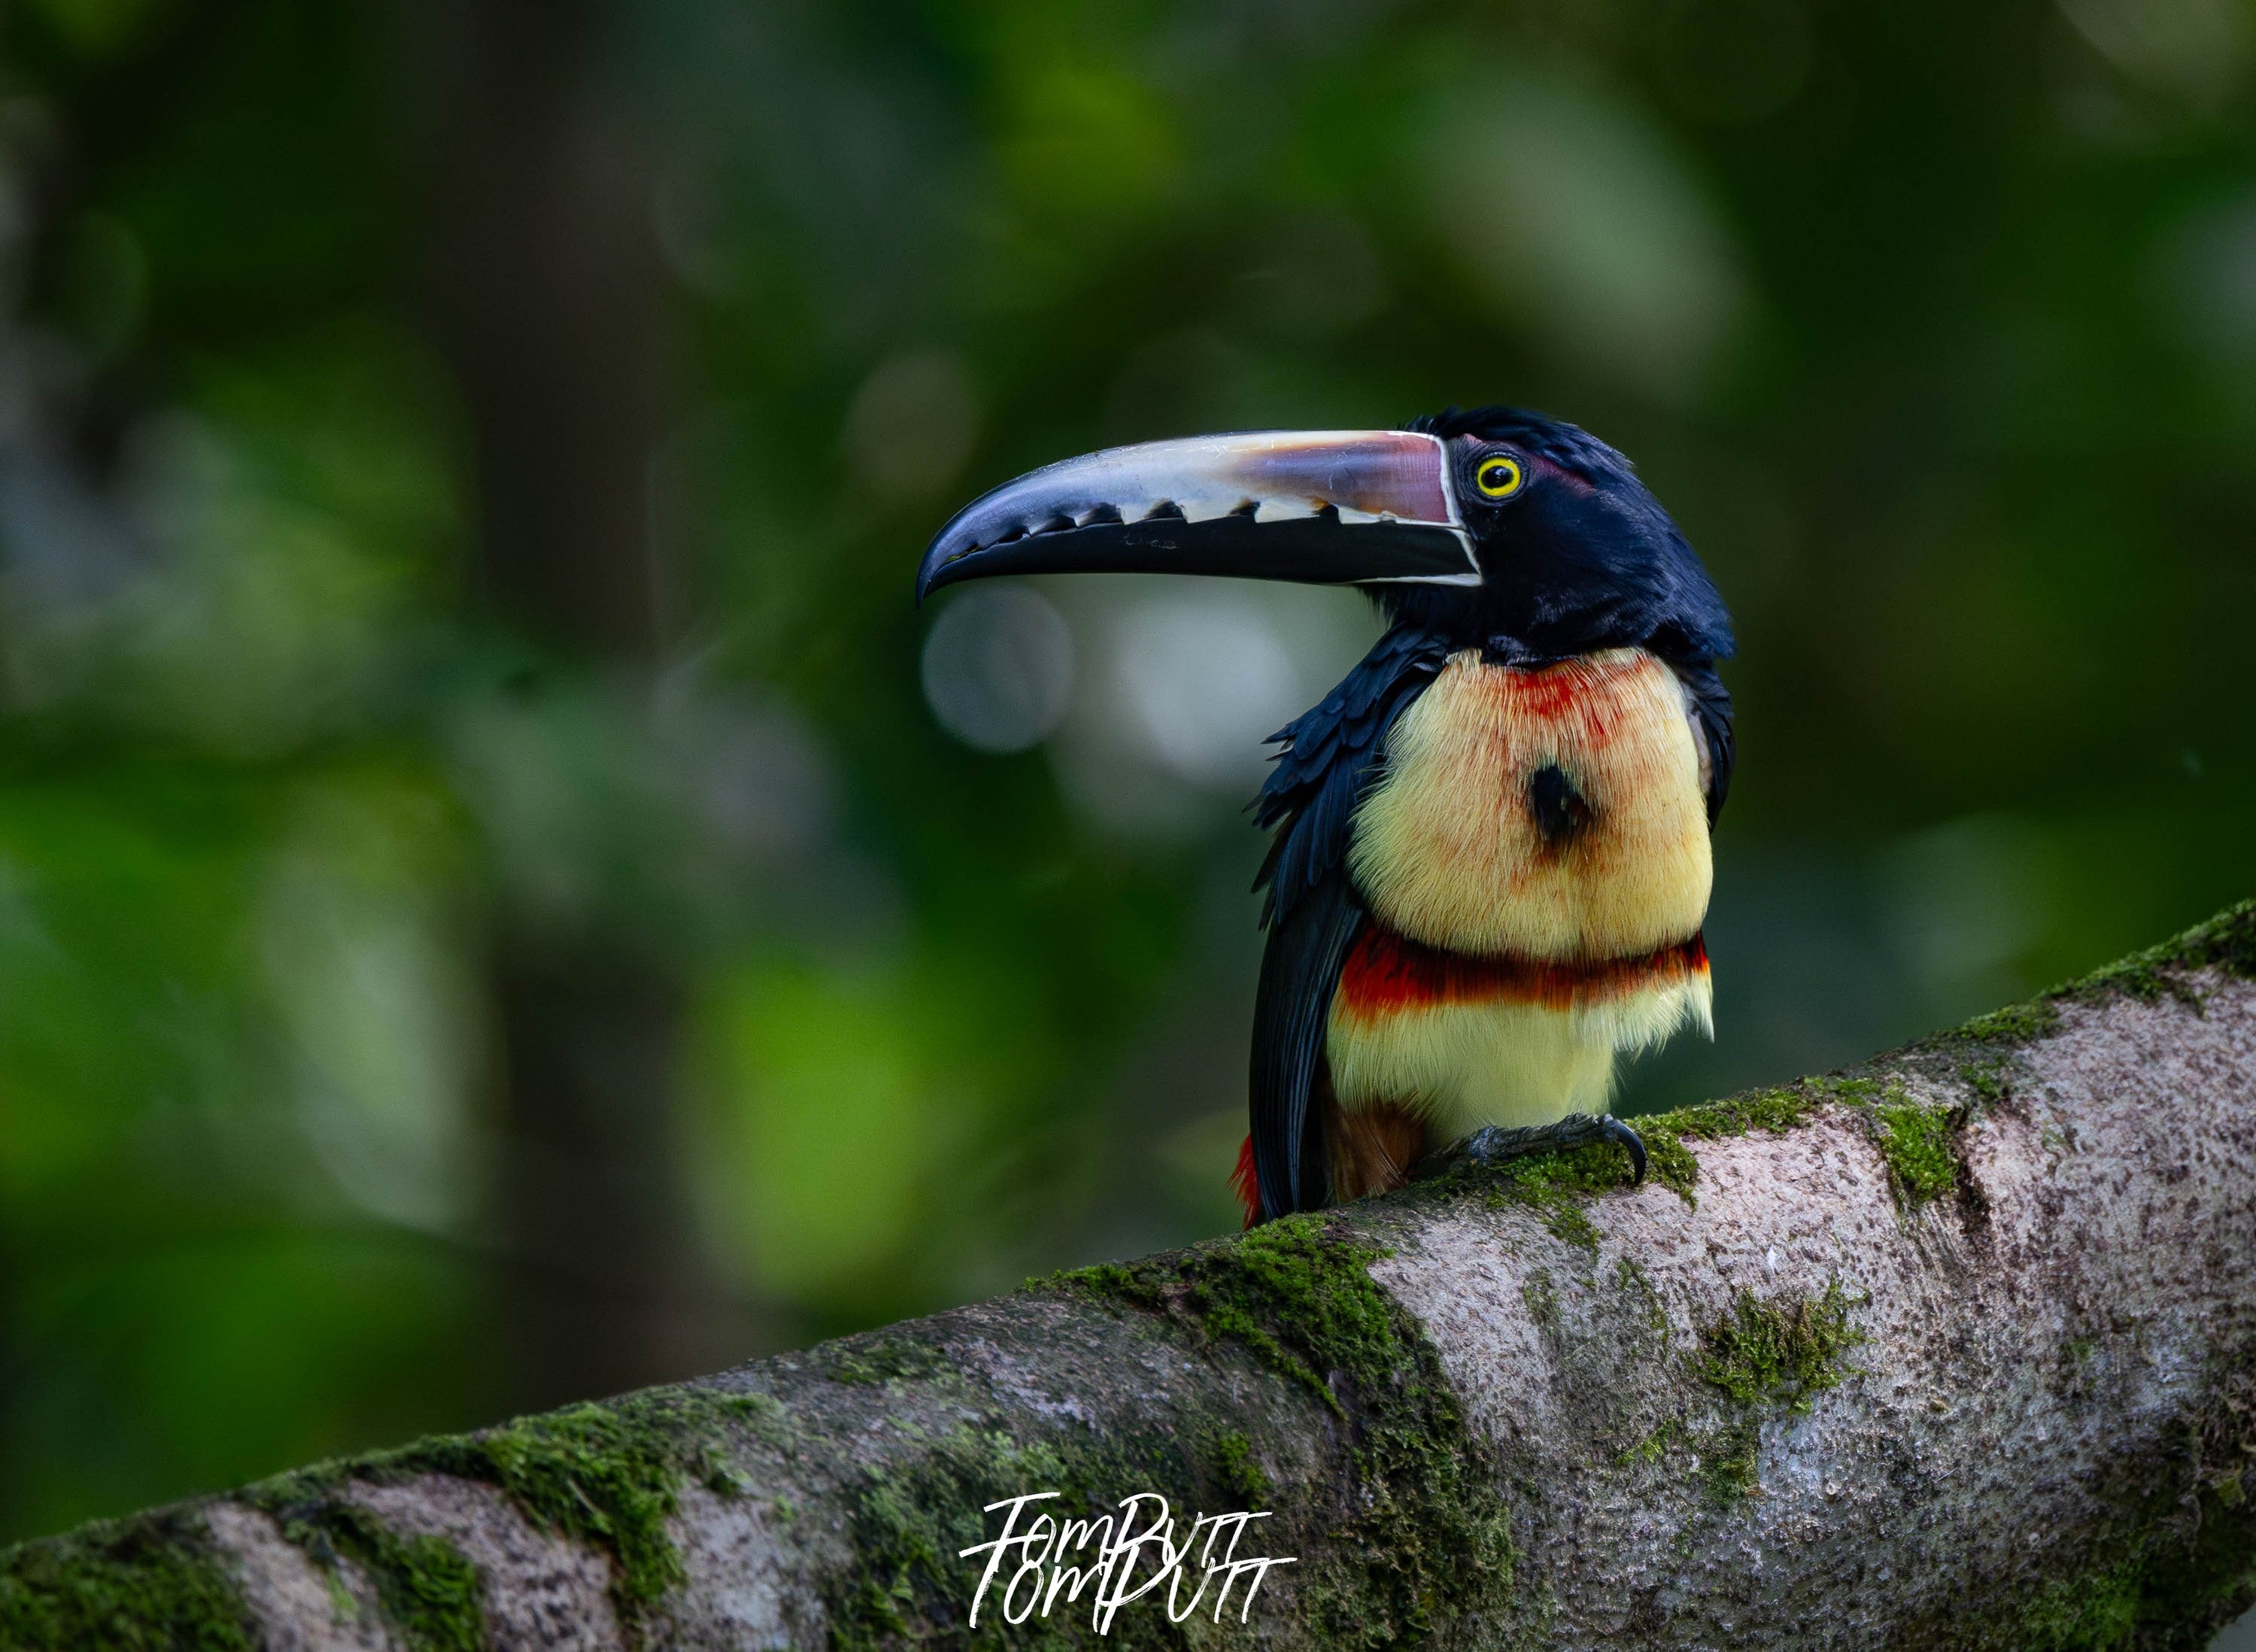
(1498, 477)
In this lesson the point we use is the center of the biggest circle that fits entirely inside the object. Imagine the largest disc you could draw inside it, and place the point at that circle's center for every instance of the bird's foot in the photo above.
(1492, 1145)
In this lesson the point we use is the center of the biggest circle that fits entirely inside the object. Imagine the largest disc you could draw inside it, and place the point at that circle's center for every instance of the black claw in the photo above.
(1492, 1145)
(1616, 1131)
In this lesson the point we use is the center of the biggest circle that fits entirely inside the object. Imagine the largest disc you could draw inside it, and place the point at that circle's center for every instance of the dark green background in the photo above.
(1935, 324)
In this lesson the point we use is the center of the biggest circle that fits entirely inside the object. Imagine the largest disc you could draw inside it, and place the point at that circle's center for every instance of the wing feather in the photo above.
(1331, 756)
(1300, 968)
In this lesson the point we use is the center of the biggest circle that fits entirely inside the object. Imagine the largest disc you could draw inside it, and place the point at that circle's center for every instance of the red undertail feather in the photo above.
(1247, 1184)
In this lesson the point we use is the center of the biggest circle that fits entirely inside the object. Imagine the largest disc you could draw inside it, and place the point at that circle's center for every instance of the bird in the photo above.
(1490, 864)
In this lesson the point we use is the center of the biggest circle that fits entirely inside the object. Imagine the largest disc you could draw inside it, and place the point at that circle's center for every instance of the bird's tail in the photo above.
(1247, 1184)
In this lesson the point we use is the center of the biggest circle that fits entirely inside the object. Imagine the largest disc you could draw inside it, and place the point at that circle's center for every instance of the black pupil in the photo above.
(1497, 474)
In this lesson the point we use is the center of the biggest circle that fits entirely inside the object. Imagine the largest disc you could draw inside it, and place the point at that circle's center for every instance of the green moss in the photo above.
(606, 1475)
(908, 1583)
(2015, 1024)
(154, 1584)
(1653, 1446)
(1785, 1349)
(1669, 1162)
(1778, 1109)
(1557, 1185)
(1987, 1078)
(1234, 1467)
(1764, 1353)
(1542, 1298)
(1300, 1301)
(2205, 1583)
(2226, 942)
(1917, 1143)
(2097, 1613)
(1917, 1146)
(1566, 1220)
(1729, 1459)
(609, 1475)
(1629, 1276)
(878, 1358)
(1560, 1184)
(761, 1415)
(1428, 1535)
(1099, 1280)
(426, 1589)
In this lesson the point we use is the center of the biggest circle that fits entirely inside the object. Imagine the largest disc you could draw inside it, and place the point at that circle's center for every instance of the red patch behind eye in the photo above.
(1559, 475)
(1386, 972)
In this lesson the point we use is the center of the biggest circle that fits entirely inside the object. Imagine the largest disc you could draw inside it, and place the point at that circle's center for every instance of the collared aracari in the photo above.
(1490, 862)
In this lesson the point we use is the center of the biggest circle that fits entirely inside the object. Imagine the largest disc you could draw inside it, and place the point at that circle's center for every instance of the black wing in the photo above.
(1711, 707)
(1300, 968)
(1331, 756)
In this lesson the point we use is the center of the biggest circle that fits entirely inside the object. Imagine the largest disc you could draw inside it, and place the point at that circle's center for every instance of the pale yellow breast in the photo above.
(1448, 849)
(1459, 1066)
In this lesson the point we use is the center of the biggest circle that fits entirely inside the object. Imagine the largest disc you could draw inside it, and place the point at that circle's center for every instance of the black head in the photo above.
(1497, 527)
(1575, 552)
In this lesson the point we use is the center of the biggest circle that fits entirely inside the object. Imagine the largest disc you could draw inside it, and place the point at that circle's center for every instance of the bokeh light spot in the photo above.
(1205, 679)
(913, 423)
(999, 667)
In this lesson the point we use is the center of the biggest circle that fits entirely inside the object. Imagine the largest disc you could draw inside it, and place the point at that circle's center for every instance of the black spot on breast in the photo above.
(1562, 813)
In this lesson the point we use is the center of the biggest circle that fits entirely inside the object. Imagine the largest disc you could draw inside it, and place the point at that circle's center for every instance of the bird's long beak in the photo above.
(1327, 507)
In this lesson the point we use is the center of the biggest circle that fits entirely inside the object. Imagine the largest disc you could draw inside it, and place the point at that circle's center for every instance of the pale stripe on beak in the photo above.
(1323, 507)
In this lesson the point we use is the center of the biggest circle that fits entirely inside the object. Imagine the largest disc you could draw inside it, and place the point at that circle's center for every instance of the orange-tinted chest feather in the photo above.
(1552, 813)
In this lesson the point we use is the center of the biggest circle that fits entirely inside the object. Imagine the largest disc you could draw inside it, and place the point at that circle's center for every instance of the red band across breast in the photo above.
(1386, 972)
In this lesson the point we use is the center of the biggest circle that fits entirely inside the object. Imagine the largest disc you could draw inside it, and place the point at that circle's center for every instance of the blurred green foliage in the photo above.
(1934, 324)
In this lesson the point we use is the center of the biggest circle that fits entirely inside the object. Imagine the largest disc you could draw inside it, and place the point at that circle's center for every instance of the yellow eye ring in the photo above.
(1497, 477)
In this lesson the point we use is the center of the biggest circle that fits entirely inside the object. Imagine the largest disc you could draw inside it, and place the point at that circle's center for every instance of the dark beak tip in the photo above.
(947, 552)
(929, 579)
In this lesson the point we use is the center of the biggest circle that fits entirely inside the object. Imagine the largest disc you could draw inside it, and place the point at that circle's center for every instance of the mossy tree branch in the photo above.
(1955, 1349)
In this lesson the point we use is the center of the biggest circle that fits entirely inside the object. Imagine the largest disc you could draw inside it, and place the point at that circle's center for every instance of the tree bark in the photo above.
(1954, 1348)
(547, 292)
